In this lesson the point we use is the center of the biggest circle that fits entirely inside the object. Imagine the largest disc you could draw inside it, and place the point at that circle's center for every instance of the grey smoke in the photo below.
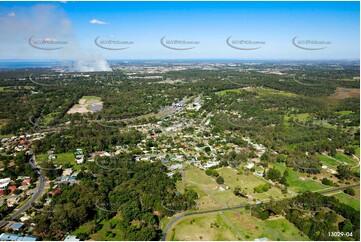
(91, 65)
(45, 21)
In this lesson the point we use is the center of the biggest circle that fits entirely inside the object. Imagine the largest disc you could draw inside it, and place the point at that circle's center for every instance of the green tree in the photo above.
(220, 180)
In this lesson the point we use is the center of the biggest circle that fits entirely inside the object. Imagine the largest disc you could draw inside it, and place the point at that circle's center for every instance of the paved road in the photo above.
(170, 224)
(33, 198)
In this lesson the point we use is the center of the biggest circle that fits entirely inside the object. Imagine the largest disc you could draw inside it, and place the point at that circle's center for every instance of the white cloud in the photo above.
(11, 14)
(95, 21)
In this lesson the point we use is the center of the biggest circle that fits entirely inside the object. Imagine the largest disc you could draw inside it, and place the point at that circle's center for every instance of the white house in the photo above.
(4, 182)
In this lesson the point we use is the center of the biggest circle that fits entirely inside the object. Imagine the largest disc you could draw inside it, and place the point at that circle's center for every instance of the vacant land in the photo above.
(348, 200)
(342, 93)
(345, 158)
(109, 231)
(61, 159)
(329, 161)
(277, 228)
(301, 183)
(212, 196)
(87, 104)
(201, 227)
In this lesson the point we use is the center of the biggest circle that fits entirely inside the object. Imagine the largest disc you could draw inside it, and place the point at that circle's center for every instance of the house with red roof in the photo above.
(57, 192)
(23, 141)
(26, 182)
(12, 188)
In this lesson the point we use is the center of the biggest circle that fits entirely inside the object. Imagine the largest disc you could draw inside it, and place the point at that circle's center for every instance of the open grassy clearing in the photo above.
(342, 93)
(109, 231)
(270, 91)
(299, 182)
(208, 185)
(328, 161)
(4, 122)
(345, 158)
(47, 119)
(201, 227)
(13, 88)
(224, 92)
(91, 98)
(62, 159)
(204, 202)
(210, 196)
(273, 229)
(348, 200)
(259, 90)
(343, 113)
(248, 182)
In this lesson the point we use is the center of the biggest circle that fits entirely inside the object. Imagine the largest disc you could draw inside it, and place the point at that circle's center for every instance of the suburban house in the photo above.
(16, 237)
(4, 182)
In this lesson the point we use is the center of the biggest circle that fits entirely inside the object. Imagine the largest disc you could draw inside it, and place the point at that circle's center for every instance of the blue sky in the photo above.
(275, 24)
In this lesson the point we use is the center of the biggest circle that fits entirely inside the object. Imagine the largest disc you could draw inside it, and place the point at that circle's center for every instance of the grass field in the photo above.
(270, 91)
(3, 122)
(352, 201)
(301, 116)
(344, 158)
(273, 229)
(328, 161)
(201, 227)
(62, 159)
(211, 197)
(13, 88)
(109, 231)
(299, 182)
(342, 113)
(47, 119)
(91, 98)
(248, 182)
(261, 91)
(224, 92)
(342, 93)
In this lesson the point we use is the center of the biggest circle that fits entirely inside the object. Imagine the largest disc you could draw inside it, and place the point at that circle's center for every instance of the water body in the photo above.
(21, 64)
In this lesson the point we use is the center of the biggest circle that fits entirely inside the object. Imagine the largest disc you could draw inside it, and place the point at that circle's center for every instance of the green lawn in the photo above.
(224, 92)
(342, 113)
(62, 159)
(348, 200)
(269, 91)
(109, 231)
(47, 119)
(328, 161)
(301, 116)
(212, 197)
(274, 229)
(345, 158)
(279, 166)
(209, 227)
(297, 184)
(91, 98)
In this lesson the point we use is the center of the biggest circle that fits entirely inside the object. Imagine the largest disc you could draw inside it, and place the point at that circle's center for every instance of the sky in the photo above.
(180, 30)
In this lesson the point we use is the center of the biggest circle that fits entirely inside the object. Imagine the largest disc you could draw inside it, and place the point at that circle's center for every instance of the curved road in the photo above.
(33, 198)
(169, 225)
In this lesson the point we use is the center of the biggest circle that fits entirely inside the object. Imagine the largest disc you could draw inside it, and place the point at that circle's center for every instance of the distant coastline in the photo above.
(21, 64)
